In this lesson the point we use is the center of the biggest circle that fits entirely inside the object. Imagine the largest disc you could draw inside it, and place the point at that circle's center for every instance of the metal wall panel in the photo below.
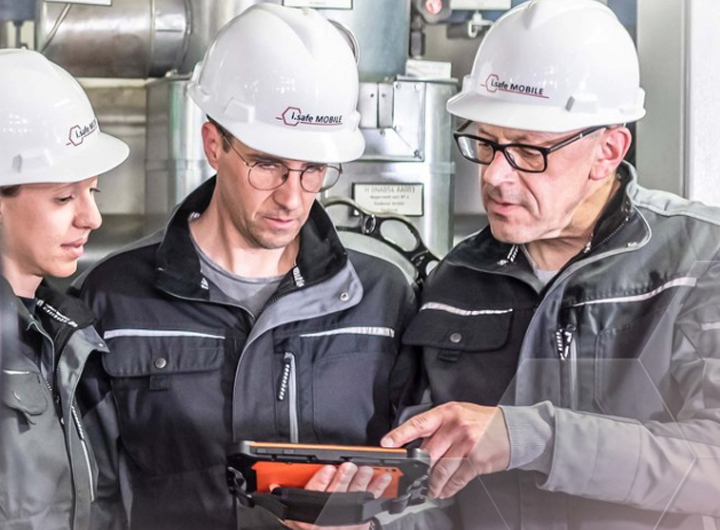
(661, 135)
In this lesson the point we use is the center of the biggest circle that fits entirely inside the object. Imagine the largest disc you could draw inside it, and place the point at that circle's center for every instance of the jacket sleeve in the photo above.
(405, 379)
(411, 397)
(673, 466)
(99, 413)
(427, 516)
(100, 419)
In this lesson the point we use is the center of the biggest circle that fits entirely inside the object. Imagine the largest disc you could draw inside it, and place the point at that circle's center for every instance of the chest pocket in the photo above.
(168, 386)
(33, 450)
(469, 355)
(342, 381)
(26, 393)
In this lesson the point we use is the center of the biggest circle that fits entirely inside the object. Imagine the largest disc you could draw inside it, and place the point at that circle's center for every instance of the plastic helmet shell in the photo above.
(48, 130)
(284, 82)
(553, 66)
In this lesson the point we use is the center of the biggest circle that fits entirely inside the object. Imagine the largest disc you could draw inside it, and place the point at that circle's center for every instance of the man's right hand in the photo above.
(464, 440)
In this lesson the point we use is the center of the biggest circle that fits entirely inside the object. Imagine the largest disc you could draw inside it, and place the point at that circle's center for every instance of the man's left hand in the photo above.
(463, 440)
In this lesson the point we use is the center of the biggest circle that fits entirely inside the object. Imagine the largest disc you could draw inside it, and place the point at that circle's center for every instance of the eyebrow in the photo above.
(58, 187)
(521, 139)
(261, 157)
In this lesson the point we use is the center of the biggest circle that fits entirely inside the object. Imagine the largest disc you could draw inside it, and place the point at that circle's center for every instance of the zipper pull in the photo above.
(298, 277)
(563, 339)
(285, 381)
(78, 424)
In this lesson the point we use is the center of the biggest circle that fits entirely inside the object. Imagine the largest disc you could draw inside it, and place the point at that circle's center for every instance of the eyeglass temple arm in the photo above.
(370, 222)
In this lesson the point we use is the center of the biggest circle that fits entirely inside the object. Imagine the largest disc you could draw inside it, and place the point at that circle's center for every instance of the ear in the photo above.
(212, 144)
(613, 145)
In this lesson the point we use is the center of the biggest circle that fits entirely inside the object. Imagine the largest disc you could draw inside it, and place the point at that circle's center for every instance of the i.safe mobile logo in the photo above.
(78, 134)
(293, 116)
(494, 84)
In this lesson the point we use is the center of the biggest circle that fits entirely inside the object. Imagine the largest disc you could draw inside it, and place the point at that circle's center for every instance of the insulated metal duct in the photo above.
(130, 39)
(383, 40)
(149, 38)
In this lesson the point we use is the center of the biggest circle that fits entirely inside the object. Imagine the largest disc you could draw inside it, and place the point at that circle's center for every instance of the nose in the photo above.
(498, 171)
(87, 215)
(289, 195)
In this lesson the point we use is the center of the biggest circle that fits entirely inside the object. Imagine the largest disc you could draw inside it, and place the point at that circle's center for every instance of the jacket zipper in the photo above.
(573, 376)
(51, 385)
(612, 234)
(86, 451)
(567, 351)
(62, 339)
(288, 387)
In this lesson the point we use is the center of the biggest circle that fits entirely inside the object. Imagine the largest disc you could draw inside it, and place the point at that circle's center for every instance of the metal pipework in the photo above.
(383, 40)
(131, 39)
(149, 38)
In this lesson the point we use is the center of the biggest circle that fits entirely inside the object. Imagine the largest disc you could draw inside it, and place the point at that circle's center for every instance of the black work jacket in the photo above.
(192, 371)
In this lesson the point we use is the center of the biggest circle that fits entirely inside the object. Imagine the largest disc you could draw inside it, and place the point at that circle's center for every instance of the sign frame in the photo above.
(418, 186)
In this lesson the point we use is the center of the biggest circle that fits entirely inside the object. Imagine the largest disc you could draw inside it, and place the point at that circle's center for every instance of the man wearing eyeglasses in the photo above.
(572, 348)
(246, 318)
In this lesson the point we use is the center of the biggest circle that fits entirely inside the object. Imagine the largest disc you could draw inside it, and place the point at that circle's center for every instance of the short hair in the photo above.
(10, 191)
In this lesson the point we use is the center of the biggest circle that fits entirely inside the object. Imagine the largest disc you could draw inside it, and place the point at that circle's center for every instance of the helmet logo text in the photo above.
(494, 84)
(78, 134)
(293, 116)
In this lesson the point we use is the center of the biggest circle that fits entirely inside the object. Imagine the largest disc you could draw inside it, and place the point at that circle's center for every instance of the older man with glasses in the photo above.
(572, 348)
(246, 318)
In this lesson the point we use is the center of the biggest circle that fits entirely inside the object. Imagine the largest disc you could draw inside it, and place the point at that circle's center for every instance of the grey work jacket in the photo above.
(623, 348)
(47, 469)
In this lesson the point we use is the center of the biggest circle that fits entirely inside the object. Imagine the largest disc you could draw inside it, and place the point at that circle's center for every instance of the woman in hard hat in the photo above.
(51, 151)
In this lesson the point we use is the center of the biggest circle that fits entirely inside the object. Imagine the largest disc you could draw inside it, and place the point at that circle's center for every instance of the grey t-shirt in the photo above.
(544, 276)
(250, 293)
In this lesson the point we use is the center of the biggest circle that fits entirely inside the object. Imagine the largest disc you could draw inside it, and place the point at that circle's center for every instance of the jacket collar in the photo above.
(55, 310)
(620, 226)
(178, 267)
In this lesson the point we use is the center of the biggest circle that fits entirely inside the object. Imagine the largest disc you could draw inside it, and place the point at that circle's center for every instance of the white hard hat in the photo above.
(48, 130)
(283, 81)
(553, 66)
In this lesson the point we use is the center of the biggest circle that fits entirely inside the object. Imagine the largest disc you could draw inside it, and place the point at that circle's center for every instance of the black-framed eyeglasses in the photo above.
(270, 174)
(523, 157)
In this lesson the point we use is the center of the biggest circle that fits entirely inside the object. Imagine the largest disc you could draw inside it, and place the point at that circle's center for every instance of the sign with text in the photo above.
(401, 199)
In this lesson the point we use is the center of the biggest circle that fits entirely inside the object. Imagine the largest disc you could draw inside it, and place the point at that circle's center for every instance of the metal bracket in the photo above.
(371, 225)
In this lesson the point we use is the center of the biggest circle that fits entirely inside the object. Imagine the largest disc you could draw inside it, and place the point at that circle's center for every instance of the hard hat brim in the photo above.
(105, 153)
(301, 144)
(511, 115)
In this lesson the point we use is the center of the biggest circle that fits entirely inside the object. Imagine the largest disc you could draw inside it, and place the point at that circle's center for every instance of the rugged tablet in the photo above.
(254, 466)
